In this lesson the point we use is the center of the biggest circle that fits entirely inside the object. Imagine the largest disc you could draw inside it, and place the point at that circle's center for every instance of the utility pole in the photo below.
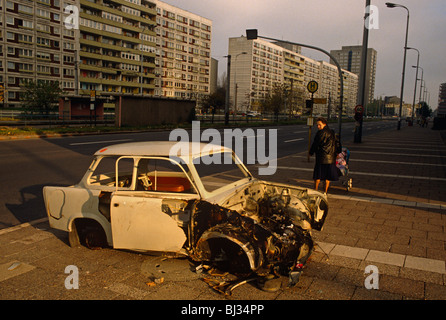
(362, 75)
(227, 90)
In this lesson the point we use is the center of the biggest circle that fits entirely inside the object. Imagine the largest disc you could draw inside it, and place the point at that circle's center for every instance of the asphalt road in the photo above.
(26, 166)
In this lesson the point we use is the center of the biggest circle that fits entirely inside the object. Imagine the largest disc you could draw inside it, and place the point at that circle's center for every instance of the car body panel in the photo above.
(136, 224)
(156, 196)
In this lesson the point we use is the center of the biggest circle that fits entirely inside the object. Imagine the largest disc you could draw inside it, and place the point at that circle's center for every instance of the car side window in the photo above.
(162, 175)
(105, 172)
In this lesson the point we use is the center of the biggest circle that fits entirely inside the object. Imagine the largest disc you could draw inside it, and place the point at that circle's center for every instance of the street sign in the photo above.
(319, 100)
(310, 121)
(312, 86)
(359, 109)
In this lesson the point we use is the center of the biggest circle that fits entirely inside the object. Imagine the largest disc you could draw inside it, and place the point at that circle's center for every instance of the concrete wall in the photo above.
(142, 111)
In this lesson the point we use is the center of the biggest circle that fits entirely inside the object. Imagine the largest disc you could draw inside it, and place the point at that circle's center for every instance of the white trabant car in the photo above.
(188, 198)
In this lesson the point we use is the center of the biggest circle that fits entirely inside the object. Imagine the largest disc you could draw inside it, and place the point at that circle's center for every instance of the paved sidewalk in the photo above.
(394, 218)
(395, 214)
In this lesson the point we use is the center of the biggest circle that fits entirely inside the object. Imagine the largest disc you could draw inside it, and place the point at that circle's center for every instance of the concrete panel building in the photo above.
(349, 58)
(256, 65)
(34, 45)
(183, 62)
(130, 47)
(117, 46)
(441, 110)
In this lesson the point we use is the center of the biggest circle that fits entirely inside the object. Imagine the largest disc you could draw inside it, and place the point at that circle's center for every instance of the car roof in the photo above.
(160, 148)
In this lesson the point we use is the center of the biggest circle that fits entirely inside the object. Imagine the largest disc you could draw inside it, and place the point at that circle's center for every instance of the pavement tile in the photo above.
(412, 289)
(425, 264)
(385, 257)
(435, 291)
(349, 252)
(13, 268)
(395, 224)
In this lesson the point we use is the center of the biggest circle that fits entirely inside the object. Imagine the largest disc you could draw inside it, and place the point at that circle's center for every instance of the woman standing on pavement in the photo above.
(326, 146)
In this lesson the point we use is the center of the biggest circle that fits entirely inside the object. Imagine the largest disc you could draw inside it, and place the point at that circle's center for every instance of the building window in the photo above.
(25, 9)
(43, 13)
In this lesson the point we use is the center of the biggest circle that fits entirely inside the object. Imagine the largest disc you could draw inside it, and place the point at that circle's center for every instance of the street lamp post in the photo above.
(394, 5)
(227, 89)
(416, 79)
(235, 84)
(252, 34)
(362, 75)
(421, 84)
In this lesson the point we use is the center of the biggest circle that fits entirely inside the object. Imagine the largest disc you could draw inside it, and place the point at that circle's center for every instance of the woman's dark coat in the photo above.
(325, 146)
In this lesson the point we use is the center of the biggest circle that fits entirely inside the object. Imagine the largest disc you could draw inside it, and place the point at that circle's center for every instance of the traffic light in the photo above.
(309, 104)
(251, 34)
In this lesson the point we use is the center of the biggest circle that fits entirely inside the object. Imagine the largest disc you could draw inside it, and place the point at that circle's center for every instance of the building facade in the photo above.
(35, 46)
(256, 65)
(441, 110)
(349, 58)
(183, 62)
(117, 43)
(111, 47)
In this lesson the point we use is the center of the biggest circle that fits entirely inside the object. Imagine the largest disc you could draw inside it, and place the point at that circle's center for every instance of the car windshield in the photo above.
(219, 170)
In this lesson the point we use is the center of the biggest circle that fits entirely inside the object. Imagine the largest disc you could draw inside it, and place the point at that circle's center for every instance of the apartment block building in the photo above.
(183, 63)
(117, 43)
(256, 65)
(34, 45)
(441, 110)
(349, 58)
(137, 47)
(327, 76)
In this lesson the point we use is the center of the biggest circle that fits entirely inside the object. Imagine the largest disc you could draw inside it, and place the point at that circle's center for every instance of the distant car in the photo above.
(253, 114)
(138, 196)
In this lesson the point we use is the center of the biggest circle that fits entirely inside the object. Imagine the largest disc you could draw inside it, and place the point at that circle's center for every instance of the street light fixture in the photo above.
(416, 79)
(394, 5)
(252, 34)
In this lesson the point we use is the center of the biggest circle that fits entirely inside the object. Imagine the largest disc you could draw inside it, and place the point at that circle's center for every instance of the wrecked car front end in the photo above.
(263, 228)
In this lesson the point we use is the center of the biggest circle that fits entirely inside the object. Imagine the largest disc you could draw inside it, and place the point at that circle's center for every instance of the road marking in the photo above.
(388, 258)
(389, 201)
(392, 162)
(400, 154)
(293, 140)
(372, 143)
(399, 162)
(396, 148)
(370, 174)
(98, 142)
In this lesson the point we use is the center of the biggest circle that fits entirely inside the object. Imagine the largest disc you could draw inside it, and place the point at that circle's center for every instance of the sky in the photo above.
(331, 24)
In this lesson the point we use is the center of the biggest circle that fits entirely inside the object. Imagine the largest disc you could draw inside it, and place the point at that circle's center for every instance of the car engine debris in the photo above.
(269, 238)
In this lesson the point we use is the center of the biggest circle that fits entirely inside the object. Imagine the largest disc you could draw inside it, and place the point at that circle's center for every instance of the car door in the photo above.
(152, 220)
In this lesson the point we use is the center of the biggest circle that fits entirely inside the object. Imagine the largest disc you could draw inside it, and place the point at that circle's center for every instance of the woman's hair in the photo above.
(321, 119)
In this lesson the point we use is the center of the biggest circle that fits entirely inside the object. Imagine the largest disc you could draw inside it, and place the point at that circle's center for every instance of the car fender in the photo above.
(227, 233)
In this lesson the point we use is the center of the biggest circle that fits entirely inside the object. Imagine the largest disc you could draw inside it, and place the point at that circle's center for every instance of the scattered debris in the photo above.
(14, 266)
(154, 282)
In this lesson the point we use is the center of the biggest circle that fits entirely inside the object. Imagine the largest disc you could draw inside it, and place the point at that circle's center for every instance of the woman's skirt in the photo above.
(326, 172)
